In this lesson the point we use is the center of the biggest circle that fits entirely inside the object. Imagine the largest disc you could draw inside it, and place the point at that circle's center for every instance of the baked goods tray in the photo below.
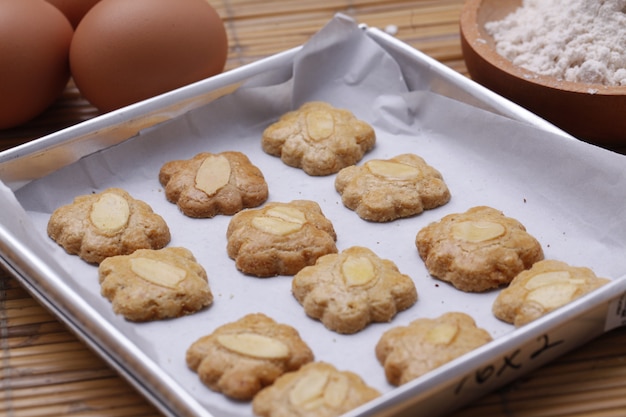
(568, 194)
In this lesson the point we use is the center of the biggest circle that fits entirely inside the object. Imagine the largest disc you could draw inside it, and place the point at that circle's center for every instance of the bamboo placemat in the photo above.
(46, 371)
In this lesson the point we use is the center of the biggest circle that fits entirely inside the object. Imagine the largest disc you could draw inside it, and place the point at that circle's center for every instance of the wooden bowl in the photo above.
(591, 112)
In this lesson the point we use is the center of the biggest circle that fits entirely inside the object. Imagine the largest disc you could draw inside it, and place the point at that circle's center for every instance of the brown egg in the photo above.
(74, 10)
(124, 51)
(34, 45)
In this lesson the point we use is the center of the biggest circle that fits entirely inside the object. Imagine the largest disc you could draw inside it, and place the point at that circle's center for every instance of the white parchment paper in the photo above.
(571, 196)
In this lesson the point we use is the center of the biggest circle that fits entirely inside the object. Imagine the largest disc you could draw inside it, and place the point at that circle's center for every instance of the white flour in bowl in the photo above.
(572, 40)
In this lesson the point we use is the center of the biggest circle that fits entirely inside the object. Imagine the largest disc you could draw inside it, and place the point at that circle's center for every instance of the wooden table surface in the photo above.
(46, 371)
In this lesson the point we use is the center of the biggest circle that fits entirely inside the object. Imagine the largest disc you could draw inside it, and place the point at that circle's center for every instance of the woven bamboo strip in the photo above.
(42, 339)
(141, 410)
(50, 389)
(60, 377)
(563, 394)
(234, 9)
(34, 330)
(285, 25)
(132, 410)
(567, 405)
(276, 38)
(47, 363)
(280, 26)
(578, 410)
(256, 43)
(595, 378)
(19, 301)
(36, 350)
(606, 367)
(126, 405)
(69, 393)
(238, 10)
(30, 319)
(23, 308)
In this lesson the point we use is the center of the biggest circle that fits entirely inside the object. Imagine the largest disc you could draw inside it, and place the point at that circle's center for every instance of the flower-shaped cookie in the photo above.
(280, 238)
(408, 352)
(318, 389)
(478, 250)
(240, 358)
(543, 288)
(319, 138)
(210, 184)
(385, 190)
(155, 284)
(109, 223)
(349, 290)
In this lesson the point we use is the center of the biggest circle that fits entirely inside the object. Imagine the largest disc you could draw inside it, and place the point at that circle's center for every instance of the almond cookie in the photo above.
(109, 223)
(280, 238)
(319, 138)
(240, 358)
(317, 389)
(385, 190)
(543, 288)
(478, 250)
(155, 284)
(211, 184)
(347, 291)
(408, 352)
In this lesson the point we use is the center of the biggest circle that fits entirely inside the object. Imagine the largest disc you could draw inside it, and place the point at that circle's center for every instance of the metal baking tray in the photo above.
(591, 230)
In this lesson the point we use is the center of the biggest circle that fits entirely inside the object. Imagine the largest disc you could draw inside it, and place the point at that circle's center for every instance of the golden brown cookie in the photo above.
(240, 358)
(319, 138)
(155, 284)
(109, 223)
(347, 291)
(478, 250)
(280, 238)
(317, 389)
(408, 352)
(385, 190)
(543, 288)
(211, 184)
